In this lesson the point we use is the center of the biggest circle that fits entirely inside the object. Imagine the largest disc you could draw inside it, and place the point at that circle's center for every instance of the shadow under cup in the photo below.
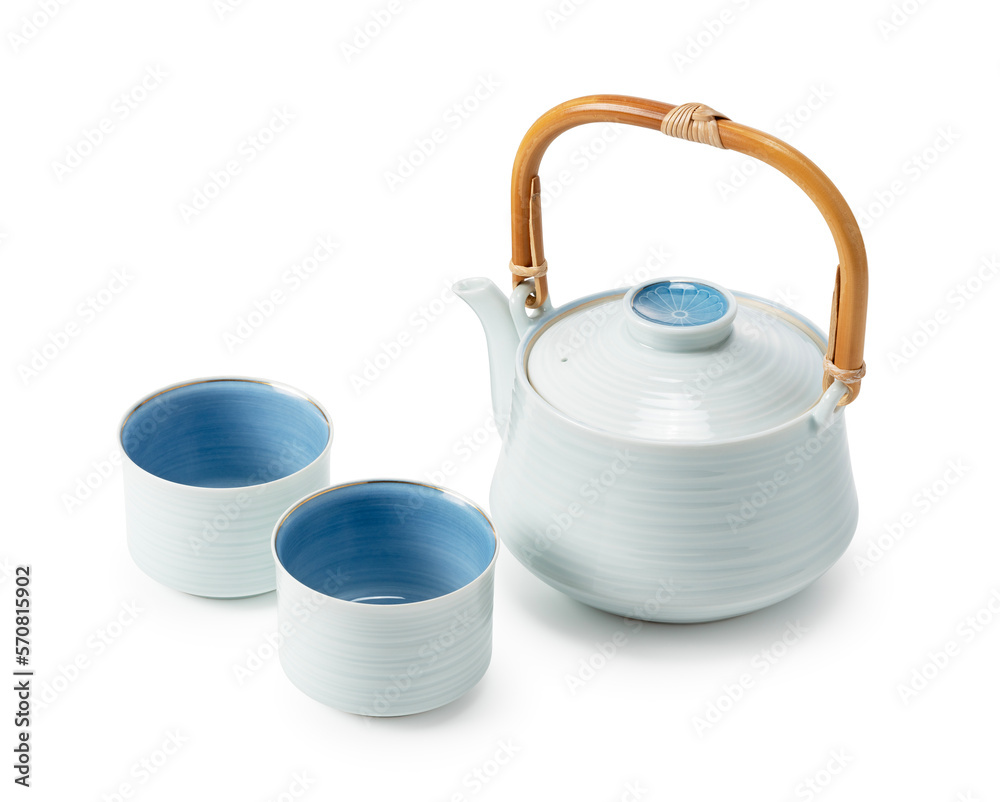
(209, 466)
(398, 581)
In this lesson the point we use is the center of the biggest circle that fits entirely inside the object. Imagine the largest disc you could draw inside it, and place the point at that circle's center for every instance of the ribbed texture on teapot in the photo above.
(758, 366)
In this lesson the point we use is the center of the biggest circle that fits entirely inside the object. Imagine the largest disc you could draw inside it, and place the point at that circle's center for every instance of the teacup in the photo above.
(385, 596)
(209, 466)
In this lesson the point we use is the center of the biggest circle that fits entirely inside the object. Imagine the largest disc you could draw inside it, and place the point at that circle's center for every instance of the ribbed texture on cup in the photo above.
(385, 659)
(672, 532)
(211, 541)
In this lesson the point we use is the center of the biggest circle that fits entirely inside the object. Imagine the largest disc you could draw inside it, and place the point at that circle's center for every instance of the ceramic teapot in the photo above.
(674, 451)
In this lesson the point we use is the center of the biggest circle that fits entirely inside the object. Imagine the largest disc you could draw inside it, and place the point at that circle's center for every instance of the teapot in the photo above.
(675, 451)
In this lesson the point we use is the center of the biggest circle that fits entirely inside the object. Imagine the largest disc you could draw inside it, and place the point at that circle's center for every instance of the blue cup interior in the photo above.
(385, 542)
(225, 433)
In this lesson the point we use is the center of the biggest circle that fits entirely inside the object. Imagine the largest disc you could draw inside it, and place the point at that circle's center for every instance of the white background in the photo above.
(903, 119)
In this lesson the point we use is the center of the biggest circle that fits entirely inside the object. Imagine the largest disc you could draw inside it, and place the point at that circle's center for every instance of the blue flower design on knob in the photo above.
(680, 303)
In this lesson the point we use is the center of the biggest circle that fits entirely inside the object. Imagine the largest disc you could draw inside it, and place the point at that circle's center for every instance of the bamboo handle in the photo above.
(845, 356)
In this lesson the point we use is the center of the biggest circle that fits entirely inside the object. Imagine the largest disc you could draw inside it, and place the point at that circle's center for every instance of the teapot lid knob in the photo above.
(680, 314)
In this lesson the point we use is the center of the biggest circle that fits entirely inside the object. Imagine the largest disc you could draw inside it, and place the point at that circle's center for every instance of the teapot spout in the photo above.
(493, 309)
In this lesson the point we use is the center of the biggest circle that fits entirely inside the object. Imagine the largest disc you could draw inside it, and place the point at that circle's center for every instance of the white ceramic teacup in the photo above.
(209, 467)
(385, 596)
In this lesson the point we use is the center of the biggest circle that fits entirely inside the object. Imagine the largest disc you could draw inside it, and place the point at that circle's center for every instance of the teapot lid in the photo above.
(677, 360)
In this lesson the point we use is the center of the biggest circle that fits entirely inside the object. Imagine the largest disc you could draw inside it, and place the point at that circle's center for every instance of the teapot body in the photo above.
(672, 531)
(640, 474)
